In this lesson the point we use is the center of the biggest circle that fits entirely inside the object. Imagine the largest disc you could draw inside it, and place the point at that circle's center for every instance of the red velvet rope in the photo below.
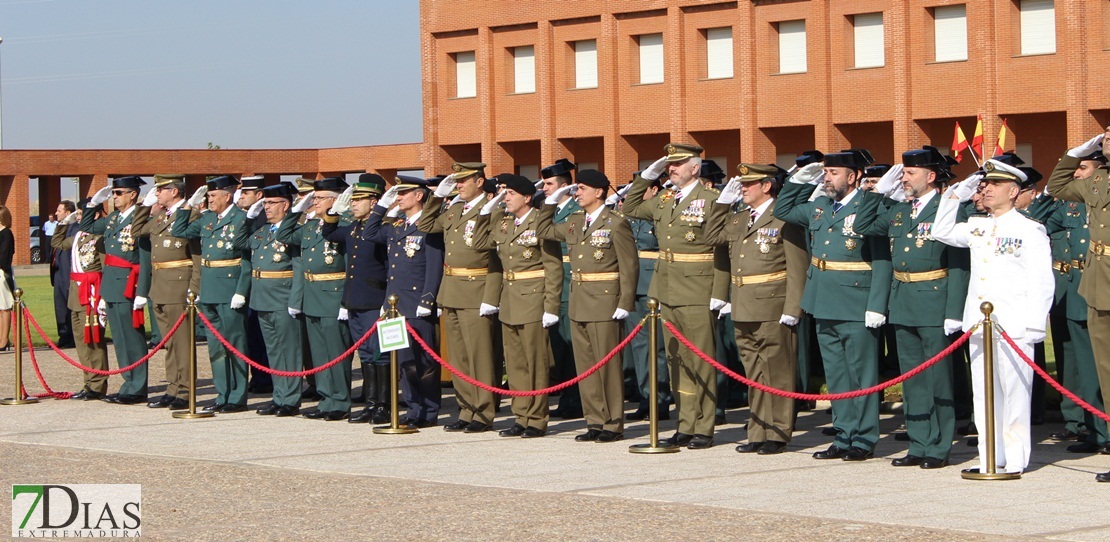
(75, 363)
(38, 374)
(1063, 391)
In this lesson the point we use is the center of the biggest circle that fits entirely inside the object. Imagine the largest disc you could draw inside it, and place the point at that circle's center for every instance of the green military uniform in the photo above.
(471, 277)
(126, 275)
(849, 276)
(570, 401)
(647, 246)
(87, 333)
(683, 282)
(604, 269)
(224, 273)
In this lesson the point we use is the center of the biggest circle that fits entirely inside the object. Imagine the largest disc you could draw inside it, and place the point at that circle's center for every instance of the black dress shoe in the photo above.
(87, 395)
(589, 436)
(533, 432)
(130, 399)
(268, 410)
(419, 424)
(907, 461)
(973, 442)
(1064, 435)
(1102, 477)
(476, 427)
(933, 463)
(315, 414)
(1084, 448)
(230, 409)
(363, 416)
(609, 436)
(310, 395)
(700, 442)
(216, 407)
(515, 431)
(161, 402)
(336, 415)
(381, 414)
(902, 436)
(834, 452)
(456, 426)
(749, 447)
(829, 431)
(855, 453)
(968, 430)
(720, 419)
(287, 411)
(111, 398)
(178, 404)
(640, 415)
(772, 447)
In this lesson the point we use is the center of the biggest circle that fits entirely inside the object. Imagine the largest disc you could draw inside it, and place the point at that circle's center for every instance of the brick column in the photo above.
(754, 146)
(17, 199)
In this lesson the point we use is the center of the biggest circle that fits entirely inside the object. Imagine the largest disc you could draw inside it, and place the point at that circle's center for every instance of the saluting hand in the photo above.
(655, 170)
(303, 203)
(151, 197)
(389, 197)
(99, 197)
(891, 182)
(1088, 147)
(809, 174)
(255, 209)
(491, 204)
(555, 196)
(731, 192)
(197, 198)
(446, 186)
(342, 203)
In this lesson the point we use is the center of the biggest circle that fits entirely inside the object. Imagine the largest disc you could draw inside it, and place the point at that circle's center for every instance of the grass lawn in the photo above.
(38, 296)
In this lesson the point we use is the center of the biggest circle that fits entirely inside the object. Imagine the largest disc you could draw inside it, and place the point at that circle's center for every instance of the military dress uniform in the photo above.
(683, 282)
(85, 251)
(849, 275)
(604, 269)
(638, 351)
(415, 270)
(224, 273)
(125, 276)
(562, 348)
(260, 381)
(471, 277)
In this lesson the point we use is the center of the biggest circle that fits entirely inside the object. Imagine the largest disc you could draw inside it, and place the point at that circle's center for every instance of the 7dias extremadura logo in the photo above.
(77, 511)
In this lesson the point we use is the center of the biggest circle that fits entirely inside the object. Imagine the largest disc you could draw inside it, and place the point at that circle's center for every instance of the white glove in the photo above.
(139, 303)
(343, 202)
(198, 197)
(235, 197)
(1034, 336)
(393, 213)
(716, 304)
(102, 308)
(550, 319)
(725, 311)
(293, 313)
(487, 310)
(620, 314)
(446, 186)
(731, 192)
(612, 199)
(439, 313)
(151, 197)
(99, 197)
(342, 314)
(1091, 145)
(423, 311)
(967, 187)
(389, 197)
(255, 210)
(491, 204)
(238, 301)
(304, 203)
(788, 320)
(873, 319)
(952, 326)
(808, 174)
(890, 183)
(538, 183)
(656, 169)
(558, 194)
(820, 190)
(70, 219)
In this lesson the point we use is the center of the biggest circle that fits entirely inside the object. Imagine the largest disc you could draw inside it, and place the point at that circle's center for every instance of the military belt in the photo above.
(824, 265)
(1098, 247)
(669, 256)
(468, 273)
(649, 254)
(740, 280)
(221, 263)
(578, 276)
(259, 274)
(566, 259)
(319, 277)
(522, 275)
(903, 276)
(1066, 267)
(171, 265)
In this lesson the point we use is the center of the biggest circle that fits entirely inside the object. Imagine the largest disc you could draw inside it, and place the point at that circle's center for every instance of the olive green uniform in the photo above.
(94, 353)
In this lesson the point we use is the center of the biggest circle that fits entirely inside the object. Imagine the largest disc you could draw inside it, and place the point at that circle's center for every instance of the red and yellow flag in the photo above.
(1006, 139)
(959, 143)
(977, 139)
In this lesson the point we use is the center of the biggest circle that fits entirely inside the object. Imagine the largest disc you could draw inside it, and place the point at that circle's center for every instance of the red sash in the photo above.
(88, 288)
(137, 318)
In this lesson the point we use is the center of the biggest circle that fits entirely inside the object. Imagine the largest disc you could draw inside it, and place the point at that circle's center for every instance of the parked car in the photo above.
(36, 245)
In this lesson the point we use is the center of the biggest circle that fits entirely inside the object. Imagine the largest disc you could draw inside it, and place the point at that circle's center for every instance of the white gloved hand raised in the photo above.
(873, 319)
(492, 204)
(393, 213)
(293, 313)
(555, 196)
(446, 186)
(715, 304)
(485, 309)
(255, 210)
(342, 314)
(788, 320)
(967, 187)
(550, 319)
(656, 169)
(198, 197)
(99, 197)
(952, 325)
(808, 174)
(612, 199)
(342, 203)
(139, 303)
(1088, 147)
(303, 203)
(890, 182)
(151, 197)
(725, 311)
(620, 314)
(70, 219)
(731, 192)
(102, 307)
(421, 312)
(235, 196)
(389, 197)
(238, 301)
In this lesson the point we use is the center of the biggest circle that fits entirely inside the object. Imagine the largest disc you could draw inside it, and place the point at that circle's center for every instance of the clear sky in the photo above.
(238, 73)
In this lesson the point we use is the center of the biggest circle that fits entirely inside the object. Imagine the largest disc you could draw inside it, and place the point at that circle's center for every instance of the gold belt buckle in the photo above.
(576, 276)
(510, 274)
(668, 256)
(821, 264)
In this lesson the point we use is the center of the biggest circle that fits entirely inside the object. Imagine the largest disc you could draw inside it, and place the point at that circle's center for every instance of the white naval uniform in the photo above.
(1011, 266)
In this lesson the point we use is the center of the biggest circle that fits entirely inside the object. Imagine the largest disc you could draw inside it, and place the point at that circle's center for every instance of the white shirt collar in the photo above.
(925, 199)
(561, 206)
(173, 208)
(846, 199)
(762, 209)
(470, 204)
(225, 212)
(412, 219)
(683, 192)
(591, 217)
(127, 213)
(519, 221)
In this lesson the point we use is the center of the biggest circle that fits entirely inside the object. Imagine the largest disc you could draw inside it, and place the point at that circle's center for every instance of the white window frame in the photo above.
(718, 53)
(466, 77)
(792, 46)
(651, 58)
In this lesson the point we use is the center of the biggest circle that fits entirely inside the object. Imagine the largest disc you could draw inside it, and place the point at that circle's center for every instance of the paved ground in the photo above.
(243, 476)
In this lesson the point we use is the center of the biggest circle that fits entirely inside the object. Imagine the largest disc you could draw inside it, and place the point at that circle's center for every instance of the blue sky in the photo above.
(238, 73)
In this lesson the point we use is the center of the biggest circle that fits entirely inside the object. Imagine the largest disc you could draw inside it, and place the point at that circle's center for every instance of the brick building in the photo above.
(607, 83)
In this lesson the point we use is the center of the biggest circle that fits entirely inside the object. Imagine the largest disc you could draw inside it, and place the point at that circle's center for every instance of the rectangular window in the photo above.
(792, 47)
(869, 47)
(651, 58)
(464, 75)
(524, 69)
(1038, 27)
(950, 33)
(585, 64)
(529, 172)
(718, 53)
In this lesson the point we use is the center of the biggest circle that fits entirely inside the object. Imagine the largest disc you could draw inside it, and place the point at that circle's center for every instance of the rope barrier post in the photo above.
(19, 398)
(191, 414)
(394, 427)
(988, 404)
(653, 373)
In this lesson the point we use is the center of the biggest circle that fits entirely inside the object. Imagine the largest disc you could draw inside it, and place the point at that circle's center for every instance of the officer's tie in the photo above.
(837, 206)
(589, 219)
(916, 208)
(751, 221)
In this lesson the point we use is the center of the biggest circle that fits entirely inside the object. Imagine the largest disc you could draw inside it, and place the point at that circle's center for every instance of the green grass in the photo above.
(38, 297)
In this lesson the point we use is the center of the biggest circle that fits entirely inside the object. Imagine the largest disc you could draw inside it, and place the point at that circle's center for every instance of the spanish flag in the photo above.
(1006, 138)
(959, 143)
(977, 139)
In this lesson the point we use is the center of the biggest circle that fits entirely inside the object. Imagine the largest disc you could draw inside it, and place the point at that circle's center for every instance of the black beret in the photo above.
(516, 183)
(330, 184)
(593, 178)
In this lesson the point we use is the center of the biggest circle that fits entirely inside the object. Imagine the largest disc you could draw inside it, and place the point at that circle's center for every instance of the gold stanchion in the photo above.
(988, 404)
(654, 447)
(17, 315)
(192, 413)
(394, 427)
